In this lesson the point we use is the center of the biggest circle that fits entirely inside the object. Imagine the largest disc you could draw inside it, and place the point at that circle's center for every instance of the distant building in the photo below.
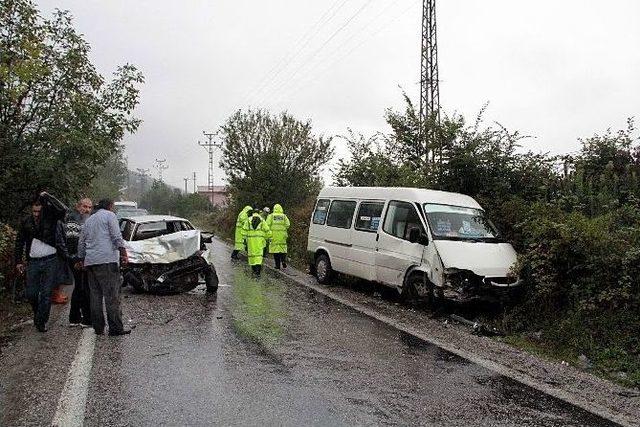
(218, 197)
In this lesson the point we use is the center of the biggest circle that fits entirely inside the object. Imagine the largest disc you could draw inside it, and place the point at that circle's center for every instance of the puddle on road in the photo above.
(257, 309)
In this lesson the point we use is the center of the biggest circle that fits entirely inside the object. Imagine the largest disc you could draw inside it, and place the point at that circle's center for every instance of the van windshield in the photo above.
(459, 223)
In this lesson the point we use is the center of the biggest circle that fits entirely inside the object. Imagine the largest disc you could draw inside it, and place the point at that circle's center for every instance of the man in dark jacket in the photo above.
(36, 241)
(70, 228)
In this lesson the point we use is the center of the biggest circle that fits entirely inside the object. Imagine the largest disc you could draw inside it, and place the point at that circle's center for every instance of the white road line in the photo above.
(73, 399)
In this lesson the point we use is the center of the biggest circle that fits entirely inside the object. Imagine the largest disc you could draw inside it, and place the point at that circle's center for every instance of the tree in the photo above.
(160, 199)
(59, 118)
(163, 199)
(271, 158)
(372, 164)
(481, 161)
(110, 178)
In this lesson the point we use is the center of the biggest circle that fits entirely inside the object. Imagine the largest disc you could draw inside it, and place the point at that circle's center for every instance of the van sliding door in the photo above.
(364, 234)
(337, 237)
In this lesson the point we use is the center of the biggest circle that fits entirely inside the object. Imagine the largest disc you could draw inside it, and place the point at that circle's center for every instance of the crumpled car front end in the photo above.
(176, 277)
(172, 263)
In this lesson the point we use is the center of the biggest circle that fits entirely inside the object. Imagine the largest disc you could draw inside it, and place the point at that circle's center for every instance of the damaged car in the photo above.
(166, 255)
(427, 244)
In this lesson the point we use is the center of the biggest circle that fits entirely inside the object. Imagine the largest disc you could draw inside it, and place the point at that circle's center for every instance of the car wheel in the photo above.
(136, 281)
(417, 288)
(211, 280)
(323, 269)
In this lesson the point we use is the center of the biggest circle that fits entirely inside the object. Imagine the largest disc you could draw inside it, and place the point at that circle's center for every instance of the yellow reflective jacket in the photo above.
(239, 239)
(279, 225)
(256, 232)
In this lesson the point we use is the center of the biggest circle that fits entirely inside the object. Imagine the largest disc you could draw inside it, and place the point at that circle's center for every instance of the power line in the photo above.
(429, 83)
(296, 87)
(209, 146)
(318, 50)
(288, 58)
(161, 167)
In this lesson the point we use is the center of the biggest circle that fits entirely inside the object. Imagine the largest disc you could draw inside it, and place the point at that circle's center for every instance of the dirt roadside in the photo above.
(12, 317)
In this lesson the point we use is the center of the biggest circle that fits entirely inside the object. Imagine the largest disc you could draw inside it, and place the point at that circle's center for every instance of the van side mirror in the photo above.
(416, 236)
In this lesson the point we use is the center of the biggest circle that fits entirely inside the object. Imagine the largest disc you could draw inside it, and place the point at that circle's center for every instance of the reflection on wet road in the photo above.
(266, 352)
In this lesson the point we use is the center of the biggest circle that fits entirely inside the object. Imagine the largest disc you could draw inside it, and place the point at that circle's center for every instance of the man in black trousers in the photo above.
(80, 310)
(102, 248)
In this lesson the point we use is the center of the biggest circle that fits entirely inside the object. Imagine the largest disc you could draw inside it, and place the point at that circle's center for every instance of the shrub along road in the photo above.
(264, 351)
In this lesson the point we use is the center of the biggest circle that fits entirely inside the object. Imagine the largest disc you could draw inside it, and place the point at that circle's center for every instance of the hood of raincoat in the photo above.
(255, 221)
(277, 209)
(246, 209)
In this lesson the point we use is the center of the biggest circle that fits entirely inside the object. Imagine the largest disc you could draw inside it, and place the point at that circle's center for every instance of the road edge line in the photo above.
(73, 398)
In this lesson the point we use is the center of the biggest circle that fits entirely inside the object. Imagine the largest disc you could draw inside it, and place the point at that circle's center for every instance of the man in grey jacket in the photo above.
(102, 248)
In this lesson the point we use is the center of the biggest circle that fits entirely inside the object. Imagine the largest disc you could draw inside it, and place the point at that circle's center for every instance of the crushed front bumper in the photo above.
(175, 277)
(465, 286)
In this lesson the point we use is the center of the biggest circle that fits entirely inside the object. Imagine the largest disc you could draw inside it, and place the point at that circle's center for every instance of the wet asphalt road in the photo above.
(266, 352)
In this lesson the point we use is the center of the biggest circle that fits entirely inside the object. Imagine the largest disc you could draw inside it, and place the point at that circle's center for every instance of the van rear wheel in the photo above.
(323, 269)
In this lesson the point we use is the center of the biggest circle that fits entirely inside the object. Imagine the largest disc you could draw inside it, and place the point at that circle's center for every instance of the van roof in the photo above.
(401, 193)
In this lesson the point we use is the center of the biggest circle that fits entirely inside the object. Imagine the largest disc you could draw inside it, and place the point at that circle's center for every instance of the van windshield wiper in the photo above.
(471, 239)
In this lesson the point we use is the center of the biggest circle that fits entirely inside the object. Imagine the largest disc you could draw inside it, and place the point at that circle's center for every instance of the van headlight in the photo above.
(462, 280)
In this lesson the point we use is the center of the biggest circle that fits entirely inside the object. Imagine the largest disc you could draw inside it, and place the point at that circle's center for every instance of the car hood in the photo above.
(164, 249)
(484, 259)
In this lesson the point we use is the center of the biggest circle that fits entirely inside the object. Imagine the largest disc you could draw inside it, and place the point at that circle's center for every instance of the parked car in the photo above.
(124, 204)
(424, 243)
(166, 255)
(130, 212)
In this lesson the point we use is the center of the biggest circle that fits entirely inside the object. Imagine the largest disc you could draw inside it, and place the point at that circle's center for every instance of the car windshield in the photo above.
(459, 223)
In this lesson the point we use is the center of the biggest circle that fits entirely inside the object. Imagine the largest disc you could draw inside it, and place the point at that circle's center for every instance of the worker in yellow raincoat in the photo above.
(279, 224)
(239, 239)
(255, 232)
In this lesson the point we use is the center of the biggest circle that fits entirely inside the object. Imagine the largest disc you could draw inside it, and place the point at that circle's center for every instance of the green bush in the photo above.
(581, 276)
(7, 243)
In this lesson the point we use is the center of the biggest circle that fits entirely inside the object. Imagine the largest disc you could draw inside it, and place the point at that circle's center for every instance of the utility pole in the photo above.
(186, 182)
(209, 146)
(429, 84)
(161, 166)
(195, 188)
(143, 179)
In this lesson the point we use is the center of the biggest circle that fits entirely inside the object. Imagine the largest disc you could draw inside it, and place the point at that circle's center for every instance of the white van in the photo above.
(424, 243)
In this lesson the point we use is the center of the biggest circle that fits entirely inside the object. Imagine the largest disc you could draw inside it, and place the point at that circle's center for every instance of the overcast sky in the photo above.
(556, 70)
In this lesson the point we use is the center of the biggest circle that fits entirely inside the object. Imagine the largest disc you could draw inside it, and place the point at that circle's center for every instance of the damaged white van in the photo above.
(427, 244)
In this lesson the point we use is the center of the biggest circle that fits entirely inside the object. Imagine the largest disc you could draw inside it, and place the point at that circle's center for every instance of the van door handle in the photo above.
(377, 237)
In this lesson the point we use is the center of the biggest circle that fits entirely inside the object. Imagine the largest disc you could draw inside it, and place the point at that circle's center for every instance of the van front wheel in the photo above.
(418, 288)
(323, 269)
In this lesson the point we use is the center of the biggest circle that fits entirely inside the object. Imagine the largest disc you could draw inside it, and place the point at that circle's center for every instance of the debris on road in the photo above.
(478, 328)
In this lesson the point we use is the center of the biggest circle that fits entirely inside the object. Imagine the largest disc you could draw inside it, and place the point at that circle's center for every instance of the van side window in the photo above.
(320, 214)
(341, 213)
(368, 218)
(401, 217)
